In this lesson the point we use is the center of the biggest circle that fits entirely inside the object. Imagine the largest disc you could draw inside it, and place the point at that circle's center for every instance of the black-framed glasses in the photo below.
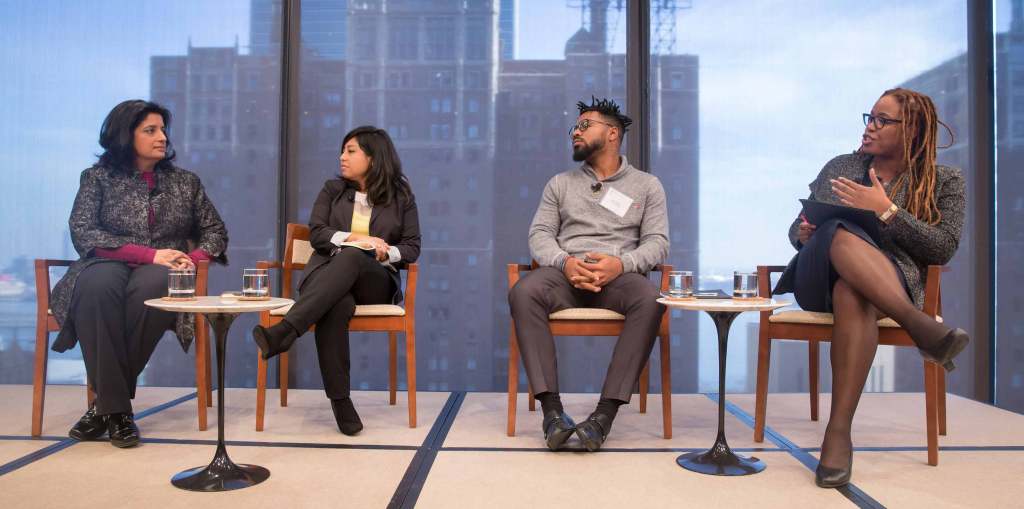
(879, 122)
(584, 124)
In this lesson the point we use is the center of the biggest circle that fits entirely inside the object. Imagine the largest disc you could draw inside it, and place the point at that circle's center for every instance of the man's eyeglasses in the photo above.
(584, 124)
(879, 122)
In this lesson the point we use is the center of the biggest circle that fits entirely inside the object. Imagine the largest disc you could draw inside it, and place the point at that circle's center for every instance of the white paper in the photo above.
(616, 202)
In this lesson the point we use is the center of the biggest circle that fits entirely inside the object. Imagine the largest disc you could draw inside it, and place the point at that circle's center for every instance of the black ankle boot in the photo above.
(90, 427)
(346, 416)
(123, 431)
(274, 340)
(951, 345)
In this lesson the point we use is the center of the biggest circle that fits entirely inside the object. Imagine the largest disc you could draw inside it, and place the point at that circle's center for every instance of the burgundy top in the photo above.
(141, 255)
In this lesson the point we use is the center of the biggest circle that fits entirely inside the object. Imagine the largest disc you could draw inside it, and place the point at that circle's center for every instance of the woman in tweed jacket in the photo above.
(133, 219)
(841, 269)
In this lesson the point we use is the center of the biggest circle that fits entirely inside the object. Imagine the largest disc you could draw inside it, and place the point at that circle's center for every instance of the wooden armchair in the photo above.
(368, 318)
(592, 322)
(46, 323)
(817, 327)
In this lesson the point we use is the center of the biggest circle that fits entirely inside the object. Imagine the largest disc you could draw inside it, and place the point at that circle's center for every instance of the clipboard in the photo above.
(817, 212)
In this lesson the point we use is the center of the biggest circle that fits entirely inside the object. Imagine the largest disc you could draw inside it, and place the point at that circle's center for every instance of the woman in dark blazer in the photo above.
(370, 204)
(134, 217)
(841, 269)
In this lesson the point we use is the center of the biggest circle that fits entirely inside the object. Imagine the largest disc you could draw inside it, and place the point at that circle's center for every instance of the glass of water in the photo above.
(181, 284)
(255, 284)
(744, 285)
(680, 284)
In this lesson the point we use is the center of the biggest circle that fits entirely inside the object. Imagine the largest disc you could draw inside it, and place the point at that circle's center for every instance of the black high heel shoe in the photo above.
(951, 345)
(827, 477)
(274, 340)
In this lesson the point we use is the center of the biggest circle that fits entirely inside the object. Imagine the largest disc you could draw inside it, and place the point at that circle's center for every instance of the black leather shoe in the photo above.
(827, 477)
(557, 427)
(90, 427)
(123, 431)
(346, 416)
(950, 346)
(274, 340)
(594, 431)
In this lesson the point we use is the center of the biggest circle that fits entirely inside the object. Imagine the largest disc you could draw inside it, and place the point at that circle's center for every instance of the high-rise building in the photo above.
(508, 18)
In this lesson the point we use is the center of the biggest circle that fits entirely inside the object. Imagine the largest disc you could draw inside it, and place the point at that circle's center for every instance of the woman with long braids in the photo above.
(372, 204)
(842, 270)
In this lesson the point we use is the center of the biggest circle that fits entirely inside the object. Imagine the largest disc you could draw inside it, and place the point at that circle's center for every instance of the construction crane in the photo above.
(663, 20)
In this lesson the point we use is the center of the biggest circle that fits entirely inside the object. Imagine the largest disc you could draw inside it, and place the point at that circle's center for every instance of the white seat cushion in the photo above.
(585, 314)
(364, 310)
(815, 318)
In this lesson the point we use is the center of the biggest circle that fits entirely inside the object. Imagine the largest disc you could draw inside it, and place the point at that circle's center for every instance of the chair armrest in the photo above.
(42, 272)
(664, 269)
(264, 264)
(764, 279)
(513, 272)
(202, 277)
(412, 278)
(933, 290)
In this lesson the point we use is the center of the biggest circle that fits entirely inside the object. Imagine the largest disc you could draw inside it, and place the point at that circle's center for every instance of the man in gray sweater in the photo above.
(597, 232)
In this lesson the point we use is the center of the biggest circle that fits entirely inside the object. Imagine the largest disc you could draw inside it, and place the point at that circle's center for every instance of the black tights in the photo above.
(868, 288)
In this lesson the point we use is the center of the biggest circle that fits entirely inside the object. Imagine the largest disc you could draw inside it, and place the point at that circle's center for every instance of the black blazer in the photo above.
(397, 223)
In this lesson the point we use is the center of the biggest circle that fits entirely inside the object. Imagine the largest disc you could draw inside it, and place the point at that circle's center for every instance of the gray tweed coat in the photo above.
(112, 209)
(912, 243)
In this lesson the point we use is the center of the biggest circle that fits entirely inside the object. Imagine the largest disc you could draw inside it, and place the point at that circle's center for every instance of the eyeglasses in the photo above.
(880, 122)
(584, 124)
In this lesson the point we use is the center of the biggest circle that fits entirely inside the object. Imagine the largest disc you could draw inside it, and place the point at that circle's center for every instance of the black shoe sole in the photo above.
(124, 444)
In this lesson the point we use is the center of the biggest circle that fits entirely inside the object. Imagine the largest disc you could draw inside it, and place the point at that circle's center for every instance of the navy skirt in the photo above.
(812, 274)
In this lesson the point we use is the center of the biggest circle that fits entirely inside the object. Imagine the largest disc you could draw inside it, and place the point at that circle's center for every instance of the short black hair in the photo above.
(117, 135)
(608, 109)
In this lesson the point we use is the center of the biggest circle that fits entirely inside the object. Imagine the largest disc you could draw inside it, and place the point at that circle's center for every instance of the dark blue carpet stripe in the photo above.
(68, 442)
(409, 488)
(854, 494)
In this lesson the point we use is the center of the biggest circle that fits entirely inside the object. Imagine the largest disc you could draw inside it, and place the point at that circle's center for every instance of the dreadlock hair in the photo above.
(920, 140)
(608, 109)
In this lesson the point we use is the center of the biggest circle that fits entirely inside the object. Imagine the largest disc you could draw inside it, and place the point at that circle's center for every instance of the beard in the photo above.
(585, 150)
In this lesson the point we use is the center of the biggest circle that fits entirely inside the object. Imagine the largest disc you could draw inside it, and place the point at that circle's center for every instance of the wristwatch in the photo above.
(889, 213)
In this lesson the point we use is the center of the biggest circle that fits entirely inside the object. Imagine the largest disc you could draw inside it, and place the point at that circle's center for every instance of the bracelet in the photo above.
(889, 213)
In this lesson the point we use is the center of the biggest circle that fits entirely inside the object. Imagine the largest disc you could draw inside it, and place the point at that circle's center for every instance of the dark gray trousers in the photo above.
(546, 290)
(118, 333)
(328, 298)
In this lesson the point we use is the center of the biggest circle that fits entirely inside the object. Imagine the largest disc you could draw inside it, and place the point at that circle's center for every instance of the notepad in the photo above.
(817, 212)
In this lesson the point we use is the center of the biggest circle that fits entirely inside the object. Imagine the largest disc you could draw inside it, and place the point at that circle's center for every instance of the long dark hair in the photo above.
(384, 179)
(920, 140)
(117, 135)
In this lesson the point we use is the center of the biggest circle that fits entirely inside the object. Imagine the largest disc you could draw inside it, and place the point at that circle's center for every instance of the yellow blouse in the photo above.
(361, 215)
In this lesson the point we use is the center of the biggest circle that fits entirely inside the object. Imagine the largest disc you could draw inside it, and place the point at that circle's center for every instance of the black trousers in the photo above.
(546, 290)
(118, 333)
(328, 298)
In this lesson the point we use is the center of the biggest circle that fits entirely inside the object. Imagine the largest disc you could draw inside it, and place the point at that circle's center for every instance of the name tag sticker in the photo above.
(616, 202)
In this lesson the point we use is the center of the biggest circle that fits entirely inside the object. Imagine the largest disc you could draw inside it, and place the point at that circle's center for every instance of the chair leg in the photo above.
(666, 386)
(764, 356)
(282, 378)
(645, 385)
(531, 401)
(941, 385)
(813, 361)
(261, 389)
(931, 411)
(39, 378)
(513, 381)
(410, 373)
(392, 367)
(202, 382)
(90, 396)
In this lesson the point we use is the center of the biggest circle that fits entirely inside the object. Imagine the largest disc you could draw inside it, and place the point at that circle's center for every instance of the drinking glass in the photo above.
(744, 285)
(181, 284)
(255, 283)
(680, 284)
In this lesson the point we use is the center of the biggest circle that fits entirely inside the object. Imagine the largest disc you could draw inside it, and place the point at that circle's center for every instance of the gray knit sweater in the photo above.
(571, 219)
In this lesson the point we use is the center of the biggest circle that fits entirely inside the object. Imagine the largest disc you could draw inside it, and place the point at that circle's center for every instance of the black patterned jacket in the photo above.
(112, 209)
(912, 243)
